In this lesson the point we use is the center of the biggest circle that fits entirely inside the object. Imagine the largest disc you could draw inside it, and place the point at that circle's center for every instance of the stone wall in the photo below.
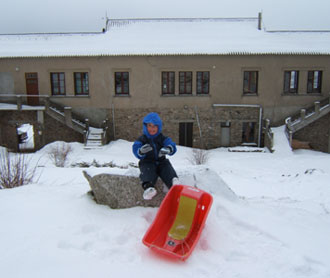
(317, 134)
(45, 130)
(56, 131)
(127, 124)
(9, 121)
(206, 123)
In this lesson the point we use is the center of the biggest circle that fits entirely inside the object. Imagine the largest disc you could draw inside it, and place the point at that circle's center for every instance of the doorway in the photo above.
(32, 89)
(186, 134)
(225, 134)
(25, 135)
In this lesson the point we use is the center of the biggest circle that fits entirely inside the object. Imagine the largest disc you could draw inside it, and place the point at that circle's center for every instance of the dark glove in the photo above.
(145, 149)
(165, 150)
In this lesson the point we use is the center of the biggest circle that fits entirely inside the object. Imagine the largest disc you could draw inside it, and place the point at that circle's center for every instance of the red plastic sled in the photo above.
(179, 221)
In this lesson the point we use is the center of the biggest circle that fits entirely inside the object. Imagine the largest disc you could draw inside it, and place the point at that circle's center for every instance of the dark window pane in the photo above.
(122, 83)
(185, 82)
(250, 83)
(168, 86)
(291, 81)
(81, 83)
(248, 132)
(202, 79)
(314, 81)
(57, 83)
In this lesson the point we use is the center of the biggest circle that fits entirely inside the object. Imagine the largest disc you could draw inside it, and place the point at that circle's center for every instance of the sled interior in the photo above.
(179, 222)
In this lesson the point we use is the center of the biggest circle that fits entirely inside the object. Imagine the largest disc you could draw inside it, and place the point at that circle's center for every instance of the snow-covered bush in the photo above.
(198, 157)
(59, 154)
(15, 169)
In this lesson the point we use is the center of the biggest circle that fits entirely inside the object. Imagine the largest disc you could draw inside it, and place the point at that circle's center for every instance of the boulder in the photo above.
(121, 191)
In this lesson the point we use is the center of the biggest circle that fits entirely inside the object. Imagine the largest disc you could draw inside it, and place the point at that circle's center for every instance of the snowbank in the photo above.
(270, 218)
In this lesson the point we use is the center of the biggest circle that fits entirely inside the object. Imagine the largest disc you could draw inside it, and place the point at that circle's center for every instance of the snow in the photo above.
(270, 218)
(8, 106)
(208, 36)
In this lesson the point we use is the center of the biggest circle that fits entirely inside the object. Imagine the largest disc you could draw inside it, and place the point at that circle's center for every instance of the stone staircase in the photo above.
(306, 117)
(94, 138)
(65, 116)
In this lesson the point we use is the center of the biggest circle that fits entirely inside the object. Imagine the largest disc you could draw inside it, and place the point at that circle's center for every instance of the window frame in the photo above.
(123, 82)
(289, 80)
(57, 83)
(250, 77)
(202, 82)
(168, 79)
(84, 83)
(311, 82)
(184, 84)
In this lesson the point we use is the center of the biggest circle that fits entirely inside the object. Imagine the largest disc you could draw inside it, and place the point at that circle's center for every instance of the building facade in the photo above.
(206, 99)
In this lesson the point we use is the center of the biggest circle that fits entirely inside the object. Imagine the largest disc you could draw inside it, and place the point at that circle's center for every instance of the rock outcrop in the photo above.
(121, 191)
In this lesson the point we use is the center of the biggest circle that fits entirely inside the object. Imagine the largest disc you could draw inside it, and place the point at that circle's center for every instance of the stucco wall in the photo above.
(125, 113)
(226, 81)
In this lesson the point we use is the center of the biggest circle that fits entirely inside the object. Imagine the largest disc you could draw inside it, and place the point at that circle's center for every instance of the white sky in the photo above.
(38, 16)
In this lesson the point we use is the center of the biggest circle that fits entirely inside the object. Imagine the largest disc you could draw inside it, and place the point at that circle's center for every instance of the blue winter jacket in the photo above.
(157, 141)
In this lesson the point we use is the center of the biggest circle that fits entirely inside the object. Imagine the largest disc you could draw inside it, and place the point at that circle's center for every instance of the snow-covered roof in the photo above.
(208, 36)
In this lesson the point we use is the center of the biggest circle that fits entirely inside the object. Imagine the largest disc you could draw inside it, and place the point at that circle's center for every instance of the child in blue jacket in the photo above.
(151, 149)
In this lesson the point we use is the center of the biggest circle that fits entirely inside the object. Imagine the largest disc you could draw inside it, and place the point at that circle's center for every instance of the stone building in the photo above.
(213, 81)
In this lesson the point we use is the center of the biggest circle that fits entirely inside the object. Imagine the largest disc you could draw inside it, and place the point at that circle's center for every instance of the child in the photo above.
(151, 149)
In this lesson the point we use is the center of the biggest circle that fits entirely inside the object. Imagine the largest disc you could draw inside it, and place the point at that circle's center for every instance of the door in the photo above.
(225, 134)
(32, 90)
(186, 134)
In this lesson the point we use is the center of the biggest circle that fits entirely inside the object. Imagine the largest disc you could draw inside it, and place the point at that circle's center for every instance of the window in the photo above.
(57, 80)
(291, 82)
(81, 86)
(203, 82)
(248, 132)
(250, 83)
(314, 81)
(185, 82)
(122, 83)
(168, 82)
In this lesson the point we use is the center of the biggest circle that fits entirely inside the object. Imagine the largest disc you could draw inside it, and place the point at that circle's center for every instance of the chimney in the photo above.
(259, 21)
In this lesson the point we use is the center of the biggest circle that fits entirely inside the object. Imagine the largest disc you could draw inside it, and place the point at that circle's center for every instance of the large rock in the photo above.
(121, 191)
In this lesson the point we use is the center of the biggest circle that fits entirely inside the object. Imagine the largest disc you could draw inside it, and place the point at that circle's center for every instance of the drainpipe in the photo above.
(247, 105)
(259, 21)
(199, 127)
(260, 126)
(113, 121)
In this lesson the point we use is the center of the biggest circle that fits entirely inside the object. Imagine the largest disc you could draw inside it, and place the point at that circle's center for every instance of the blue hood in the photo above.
(152, 118)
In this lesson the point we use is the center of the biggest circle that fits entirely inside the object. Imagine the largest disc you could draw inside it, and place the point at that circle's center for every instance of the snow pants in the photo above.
(150, 171)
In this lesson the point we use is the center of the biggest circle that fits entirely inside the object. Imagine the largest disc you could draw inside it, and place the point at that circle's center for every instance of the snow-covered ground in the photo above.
(270, 218)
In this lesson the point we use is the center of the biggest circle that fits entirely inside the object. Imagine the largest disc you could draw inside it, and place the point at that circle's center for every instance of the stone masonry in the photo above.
(317, 134)
(206, 123)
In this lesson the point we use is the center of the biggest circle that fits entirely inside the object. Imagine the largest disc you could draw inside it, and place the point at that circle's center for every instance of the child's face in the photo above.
(152, 129)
